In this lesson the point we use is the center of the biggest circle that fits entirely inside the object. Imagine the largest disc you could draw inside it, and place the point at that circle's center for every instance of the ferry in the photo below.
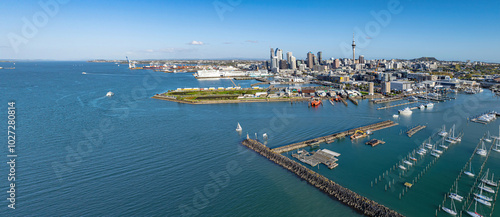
(218, 74)
(315, 102)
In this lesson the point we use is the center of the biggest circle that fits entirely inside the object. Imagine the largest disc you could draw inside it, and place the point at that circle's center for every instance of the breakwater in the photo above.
(331, 138)
(359, 203)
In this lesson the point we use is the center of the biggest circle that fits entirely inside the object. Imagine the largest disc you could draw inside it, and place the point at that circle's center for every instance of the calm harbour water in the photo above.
(158, 158)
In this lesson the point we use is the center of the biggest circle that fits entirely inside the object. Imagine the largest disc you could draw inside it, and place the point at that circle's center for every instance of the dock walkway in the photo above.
(414, 130)
(350, 198)
(331, 138)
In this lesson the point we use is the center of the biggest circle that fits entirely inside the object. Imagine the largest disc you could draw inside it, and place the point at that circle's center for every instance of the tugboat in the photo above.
(315, 102)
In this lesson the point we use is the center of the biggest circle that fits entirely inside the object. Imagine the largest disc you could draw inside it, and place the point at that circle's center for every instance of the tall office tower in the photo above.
(288, 56)
(279, 54)
(320, 57)
(293, 63)
(272, 54)
(274, 62)
(361, 59)
(310, 60)
(353, 50)
(283, 64)
(336, 64)
(315, 60)
(370, 88)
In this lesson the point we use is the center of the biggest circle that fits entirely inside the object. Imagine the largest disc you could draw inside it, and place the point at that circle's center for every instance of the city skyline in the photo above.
(243, 30)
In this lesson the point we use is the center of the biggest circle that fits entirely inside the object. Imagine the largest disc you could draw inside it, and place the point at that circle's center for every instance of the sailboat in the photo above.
(485, 179)
(488, 137)
(474, 214)
(452, 210)
(238, 128)
(452, 139)
(486, 188)
(443, 132)
(497, 146)
(483, 197)
(455, 195)
(470, 173)
(264, 136)
(482, 151)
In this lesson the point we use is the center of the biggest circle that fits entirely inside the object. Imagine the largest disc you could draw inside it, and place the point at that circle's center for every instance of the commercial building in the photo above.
(400, 85)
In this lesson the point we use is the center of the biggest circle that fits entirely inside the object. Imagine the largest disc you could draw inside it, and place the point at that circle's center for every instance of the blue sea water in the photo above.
(82, 153)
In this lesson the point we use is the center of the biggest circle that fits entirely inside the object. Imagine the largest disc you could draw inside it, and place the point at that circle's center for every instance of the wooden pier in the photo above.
(392, 106)
(384, 100)
(331, 138)
(350, 198)
(415, 130)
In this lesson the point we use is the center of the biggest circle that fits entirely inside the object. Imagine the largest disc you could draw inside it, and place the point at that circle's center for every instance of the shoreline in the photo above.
(208, 102)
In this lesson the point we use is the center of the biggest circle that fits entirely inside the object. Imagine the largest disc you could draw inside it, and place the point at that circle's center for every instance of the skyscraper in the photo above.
(279, 54)
(310, 60)
(288, 56)
(336, 63)
(353, 50)
(293, 63)
(320, 57)
(361, 59)
(272, 54)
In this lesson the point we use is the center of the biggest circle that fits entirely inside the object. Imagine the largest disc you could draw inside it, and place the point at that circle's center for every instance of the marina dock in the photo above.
(331, 138)
(350, 198)
(392, 106)
(384, 100)
(414, 130)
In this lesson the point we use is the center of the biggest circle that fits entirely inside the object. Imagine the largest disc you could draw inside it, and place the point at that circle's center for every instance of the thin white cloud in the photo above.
(196, 43)
(251, 41)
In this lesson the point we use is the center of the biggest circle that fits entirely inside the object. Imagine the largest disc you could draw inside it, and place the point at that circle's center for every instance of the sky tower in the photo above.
(353, 50)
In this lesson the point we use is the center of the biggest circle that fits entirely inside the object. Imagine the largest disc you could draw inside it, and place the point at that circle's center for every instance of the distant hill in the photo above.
(426, 59)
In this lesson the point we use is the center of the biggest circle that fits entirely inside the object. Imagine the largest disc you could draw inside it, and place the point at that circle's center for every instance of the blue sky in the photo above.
(81, 30)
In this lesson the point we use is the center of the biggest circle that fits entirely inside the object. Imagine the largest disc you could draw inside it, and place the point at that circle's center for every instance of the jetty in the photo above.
(331, 138)
(392, 106)
(350, 198)
(390, 99)
(414, 130)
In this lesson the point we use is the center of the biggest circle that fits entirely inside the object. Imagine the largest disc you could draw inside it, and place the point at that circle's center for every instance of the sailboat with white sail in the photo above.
(496, 147)
(487, 138)
(238, 128)
(486, 188)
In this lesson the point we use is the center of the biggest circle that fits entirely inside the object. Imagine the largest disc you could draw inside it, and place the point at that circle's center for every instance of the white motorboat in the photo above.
(435, 154)
(406, 111)
(408, 163)
(429, 105)
(402, 167)
(395, 116)
(422, 107)
(110, 94)
(84, 73)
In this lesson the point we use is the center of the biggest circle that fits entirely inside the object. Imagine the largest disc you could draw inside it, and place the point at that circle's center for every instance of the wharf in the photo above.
(331, 138)
(350, 198)
(384, 100)
(343, 101)
(392, 106)
(324, 156)
(415, 130)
